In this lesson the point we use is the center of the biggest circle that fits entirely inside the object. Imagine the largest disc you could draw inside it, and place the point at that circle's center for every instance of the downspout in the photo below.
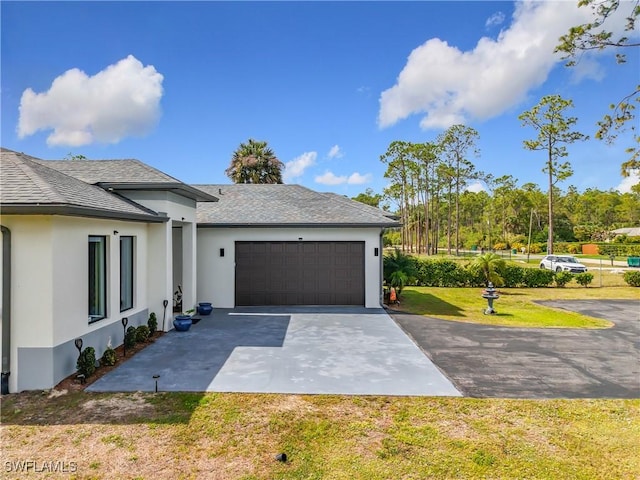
(6, 309)
(381, 269)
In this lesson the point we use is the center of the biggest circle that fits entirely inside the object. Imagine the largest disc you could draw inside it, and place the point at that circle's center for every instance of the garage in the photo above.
(299, 273)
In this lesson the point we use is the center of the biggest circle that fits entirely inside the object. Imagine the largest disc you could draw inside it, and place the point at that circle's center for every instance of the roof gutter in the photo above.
(178, 188)
(76, 211)
(297, 225)
(6, 309)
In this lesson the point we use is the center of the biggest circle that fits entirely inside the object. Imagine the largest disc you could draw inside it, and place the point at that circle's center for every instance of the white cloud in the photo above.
(476, 187)
(495, 19)
(120, 101)
(628, 182)
(335, 152)
(330, 178)
(358, 179)
(450, 86)
(296, 167)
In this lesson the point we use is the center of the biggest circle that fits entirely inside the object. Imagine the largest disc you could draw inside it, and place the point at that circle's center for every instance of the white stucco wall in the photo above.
(176, 207)
(50, 292)
(182, 212)
(70, 265)
(216, 274)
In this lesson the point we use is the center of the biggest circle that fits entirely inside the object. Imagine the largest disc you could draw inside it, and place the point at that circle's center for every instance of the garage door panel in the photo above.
(299, 273)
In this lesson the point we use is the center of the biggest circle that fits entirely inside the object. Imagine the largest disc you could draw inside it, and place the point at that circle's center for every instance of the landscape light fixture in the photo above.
(124, 321)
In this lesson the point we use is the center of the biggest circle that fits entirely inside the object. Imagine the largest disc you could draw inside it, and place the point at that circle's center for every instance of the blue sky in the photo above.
(329, 85)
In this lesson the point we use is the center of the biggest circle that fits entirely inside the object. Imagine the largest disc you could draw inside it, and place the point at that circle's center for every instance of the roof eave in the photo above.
(177, 188)
(76, 211)
(296, 225)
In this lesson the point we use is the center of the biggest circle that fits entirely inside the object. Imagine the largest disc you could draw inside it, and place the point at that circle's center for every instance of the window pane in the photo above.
(126, 273)
(97, 278)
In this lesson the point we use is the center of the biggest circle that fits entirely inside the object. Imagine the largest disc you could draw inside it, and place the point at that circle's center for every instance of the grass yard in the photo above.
(516, 307)
(236, 436)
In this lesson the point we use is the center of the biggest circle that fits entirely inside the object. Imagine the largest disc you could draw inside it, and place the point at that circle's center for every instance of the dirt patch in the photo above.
(118, 407)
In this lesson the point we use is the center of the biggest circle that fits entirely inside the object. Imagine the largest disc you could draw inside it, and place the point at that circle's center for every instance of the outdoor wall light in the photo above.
(115, 232)
(299, 239)
(222, 252)
(376, 252)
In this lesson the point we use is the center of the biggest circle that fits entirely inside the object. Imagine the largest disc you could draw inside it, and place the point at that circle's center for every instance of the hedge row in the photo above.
(620, 250)
(448, 273)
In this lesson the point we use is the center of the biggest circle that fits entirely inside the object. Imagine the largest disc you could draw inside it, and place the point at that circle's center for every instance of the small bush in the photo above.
(512, 275)
(142, 334)
(584, 279)
(535, 248)
(534, 277)
(86, 363)
(575, 248)
(109, 357)
(632, 278)
(562, 278)
(500, 246)
(152, 323)
(130, 337)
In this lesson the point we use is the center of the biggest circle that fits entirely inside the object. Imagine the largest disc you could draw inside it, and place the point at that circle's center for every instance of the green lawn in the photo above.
(236, 436)
(516, 307)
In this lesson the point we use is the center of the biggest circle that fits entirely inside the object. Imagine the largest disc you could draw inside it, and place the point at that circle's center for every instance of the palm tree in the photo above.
(399, 269)
(254, 162)
(490, 264)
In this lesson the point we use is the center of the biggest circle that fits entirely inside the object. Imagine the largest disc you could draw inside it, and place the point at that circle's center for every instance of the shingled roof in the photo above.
(285, 205)
(126, 174)
(28, 186)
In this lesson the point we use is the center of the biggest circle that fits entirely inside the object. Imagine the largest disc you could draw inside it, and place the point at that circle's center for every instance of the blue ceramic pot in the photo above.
(182, 323)
(205, 308)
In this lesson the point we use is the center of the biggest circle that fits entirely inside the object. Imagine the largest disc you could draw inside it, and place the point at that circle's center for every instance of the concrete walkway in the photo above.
(305, 350)
(490, 361)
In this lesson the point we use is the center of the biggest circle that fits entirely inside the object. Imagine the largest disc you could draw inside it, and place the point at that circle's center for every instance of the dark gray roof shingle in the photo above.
(284, 205)
(30, 186)
(125, 174)
(110, 171)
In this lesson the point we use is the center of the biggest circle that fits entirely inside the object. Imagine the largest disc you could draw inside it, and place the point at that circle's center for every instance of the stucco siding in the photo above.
(216, 274)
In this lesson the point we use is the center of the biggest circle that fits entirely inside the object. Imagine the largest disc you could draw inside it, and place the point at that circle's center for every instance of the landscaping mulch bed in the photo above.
(73, 384)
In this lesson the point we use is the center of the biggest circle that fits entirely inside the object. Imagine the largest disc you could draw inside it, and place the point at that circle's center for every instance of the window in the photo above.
(126, 273)
(97, 278)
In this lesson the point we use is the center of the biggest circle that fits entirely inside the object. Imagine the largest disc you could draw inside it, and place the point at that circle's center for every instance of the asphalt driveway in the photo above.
(306, 350)
(489, 361)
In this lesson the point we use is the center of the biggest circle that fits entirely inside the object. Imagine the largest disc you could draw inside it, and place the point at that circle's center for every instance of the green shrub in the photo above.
(575, 248)
(399, 269)
(584, 279)
(620, 250)
(512, 275)
(474, 276)
(500, 246)
(632, 278)
(109, 357)
(152, 323)
(142, 334)
(86, 363)
(130, 337)
(562, 278)
(534, 277)
(449, 273)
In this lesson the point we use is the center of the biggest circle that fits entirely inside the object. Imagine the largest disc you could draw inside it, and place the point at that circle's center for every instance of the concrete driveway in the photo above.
(306, 350)
(488, 361)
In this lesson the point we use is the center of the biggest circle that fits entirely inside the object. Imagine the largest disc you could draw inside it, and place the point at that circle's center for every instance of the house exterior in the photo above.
(87, 243)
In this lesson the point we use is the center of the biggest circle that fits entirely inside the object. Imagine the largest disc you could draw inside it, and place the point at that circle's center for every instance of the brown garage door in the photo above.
(299, 273)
